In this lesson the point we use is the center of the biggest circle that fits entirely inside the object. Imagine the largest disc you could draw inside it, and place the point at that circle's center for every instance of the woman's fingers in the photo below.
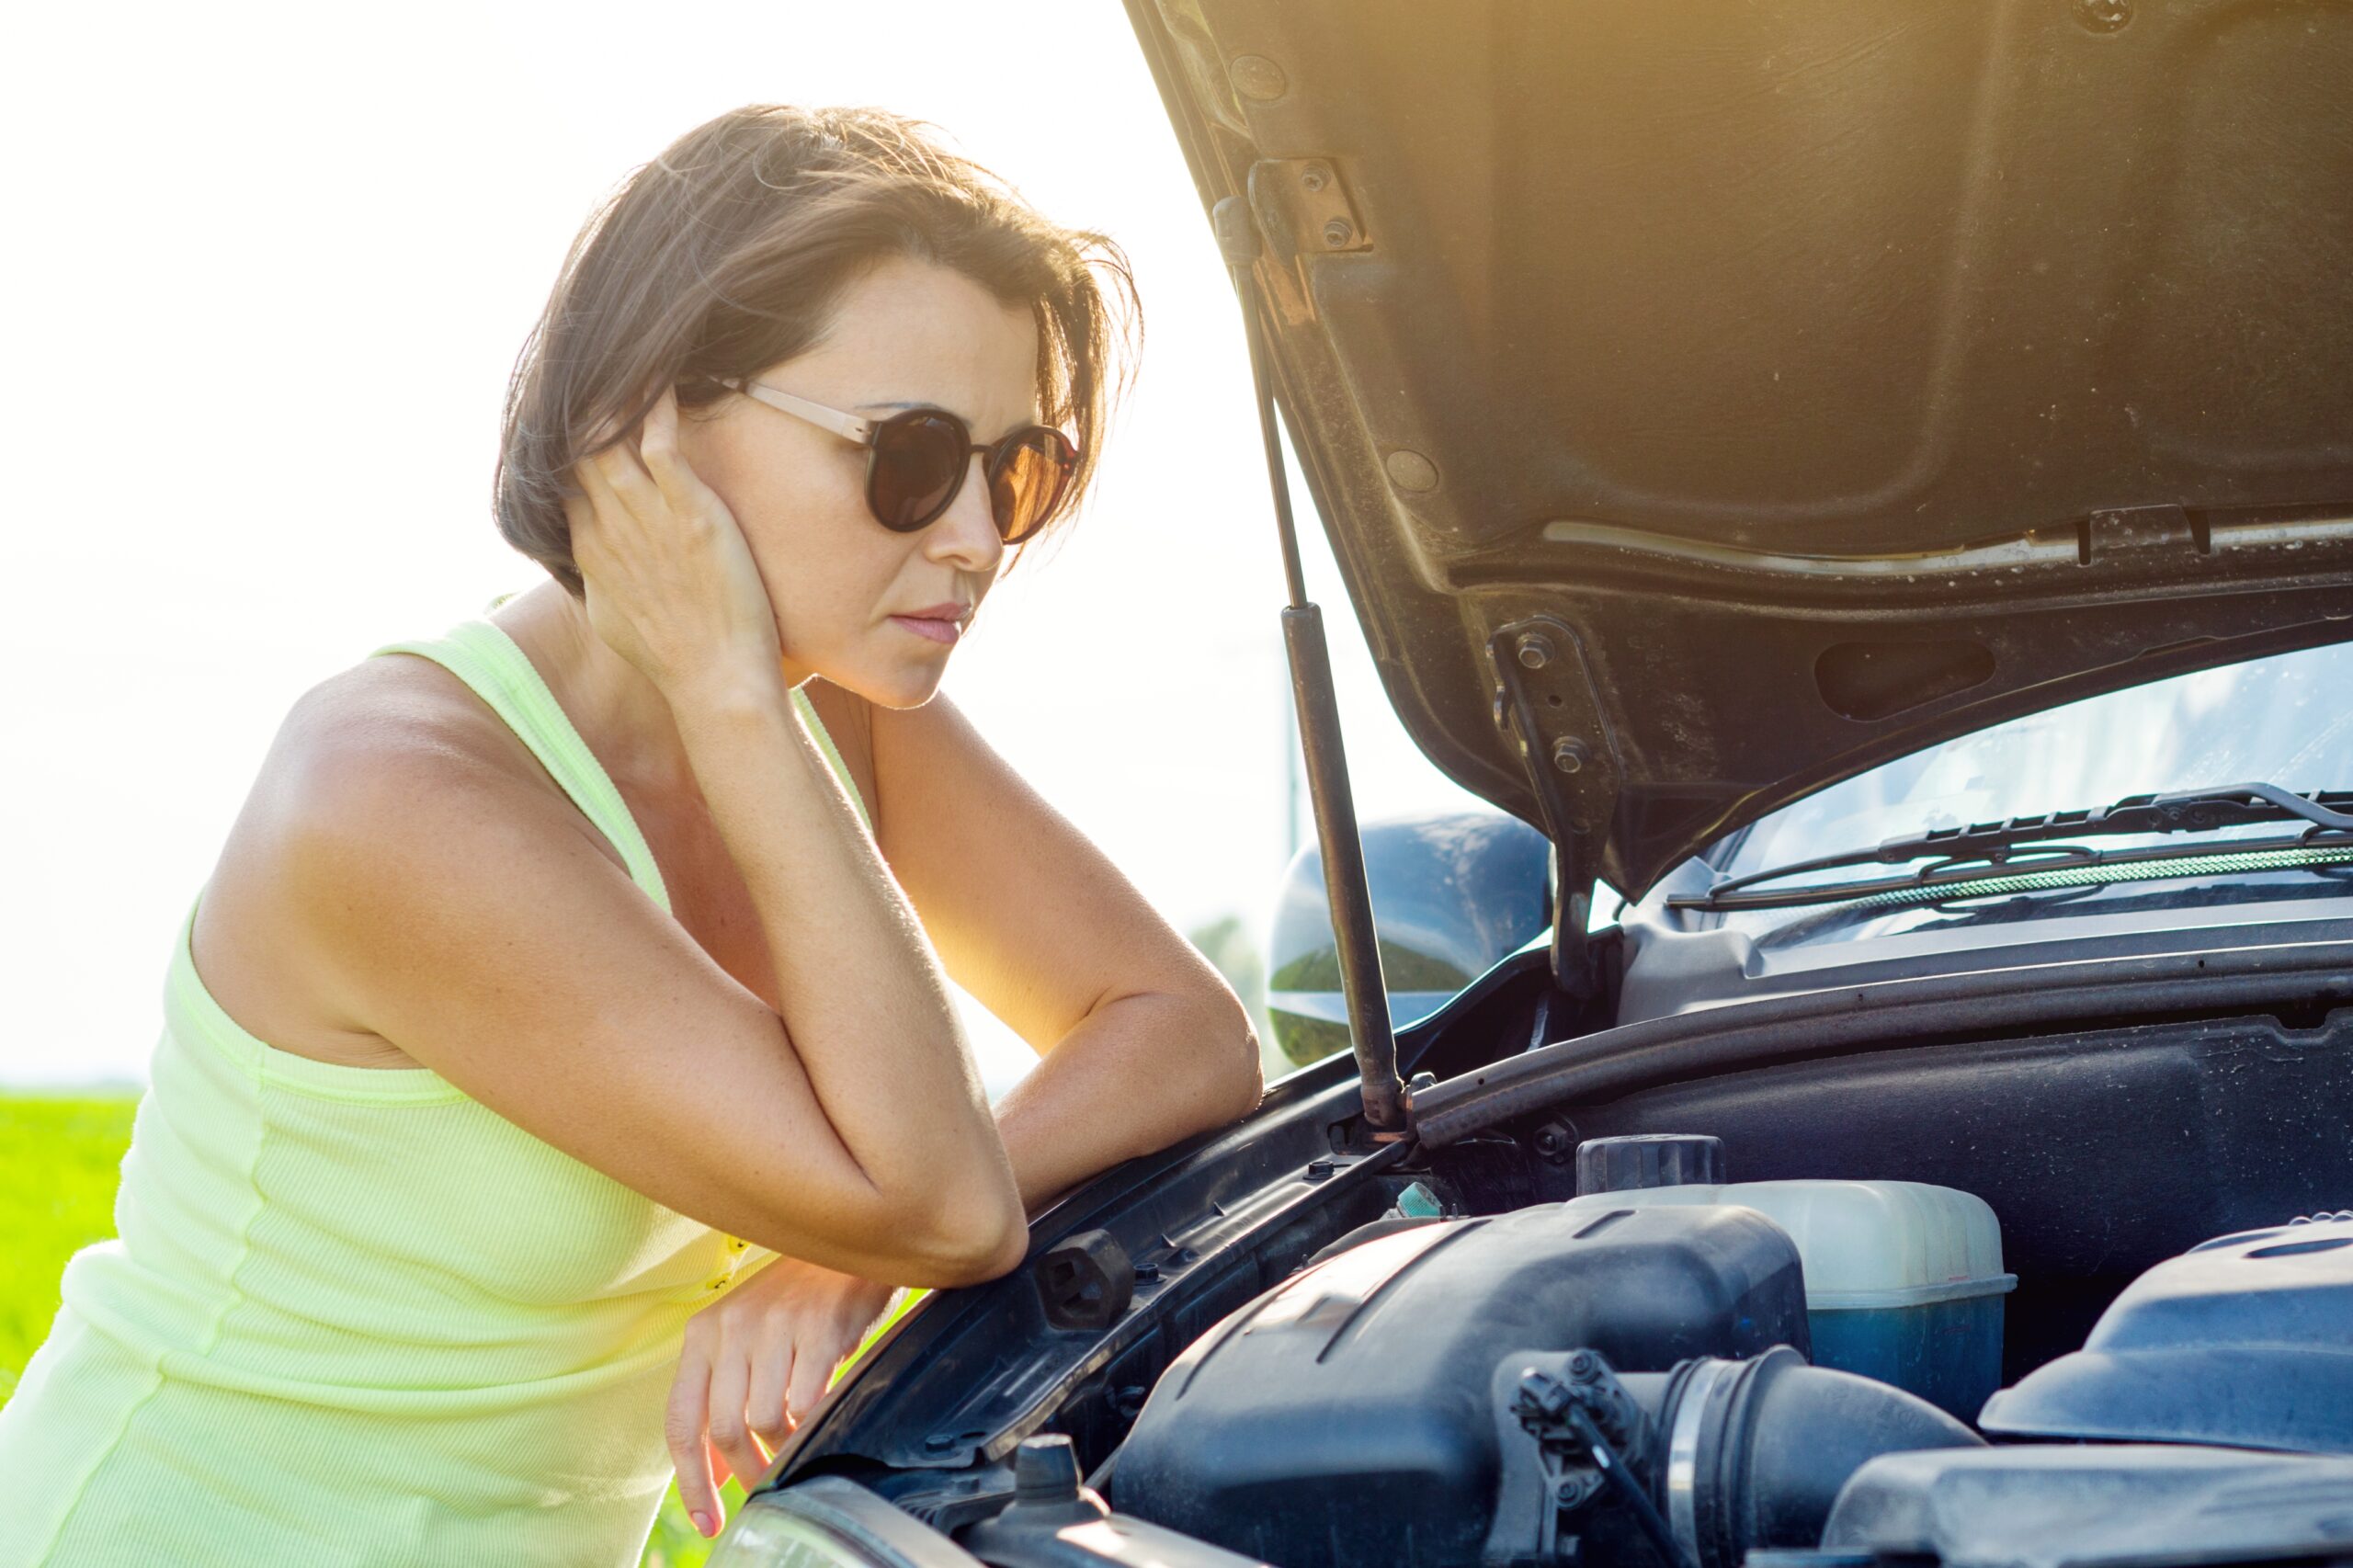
(730, 1433)
(604, 505)
(674, 589)
(659, 430)
(580, 517)
(657, 449)
(812, 1366)
(766, 1406)
(755, 1364)
(683, 1428)
(627, 537)
(619, 466)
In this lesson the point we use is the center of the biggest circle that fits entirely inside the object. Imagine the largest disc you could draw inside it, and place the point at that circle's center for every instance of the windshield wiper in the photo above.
(1960, 854)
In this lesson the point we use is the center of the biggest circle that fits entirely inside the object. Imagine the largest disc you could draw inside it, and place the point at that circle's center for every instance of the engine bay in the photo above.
(1960, 1301)
(1612, 1379)
(1617, 1380)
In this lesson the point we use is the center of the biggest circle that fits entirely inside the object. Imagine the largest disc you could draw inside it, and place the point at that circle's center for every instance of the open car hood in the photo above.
(1812, 379)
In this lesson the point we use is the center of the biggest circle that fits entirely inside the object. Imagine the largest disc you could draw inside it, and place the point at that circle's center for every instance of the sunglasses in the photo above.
(916, 461)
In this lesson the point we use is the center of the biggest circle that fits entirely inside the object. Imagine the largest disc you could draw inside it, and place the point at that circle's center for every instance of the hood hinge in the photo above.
(1545, 701)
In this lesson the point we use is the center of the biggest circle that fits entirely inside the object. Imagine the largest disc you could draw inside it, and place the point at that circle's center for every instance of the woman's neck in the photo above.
(622, 716)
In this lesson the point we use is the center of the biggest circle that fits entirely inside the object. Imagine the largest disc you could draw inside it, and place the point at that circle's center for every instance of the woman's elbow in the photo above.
(1237, 1080)
(1012, 1246)
(964, 1242)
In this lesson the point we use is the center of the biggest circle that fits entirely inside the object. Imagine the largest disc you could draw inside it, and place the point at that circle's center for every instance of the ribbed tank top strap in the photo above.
(487, 660)
(818, 732)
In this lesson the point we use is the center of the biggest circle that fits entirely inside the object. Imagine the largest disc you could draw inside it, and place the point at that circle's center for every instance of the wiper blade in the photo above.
(2052, 867)
(1971, 853)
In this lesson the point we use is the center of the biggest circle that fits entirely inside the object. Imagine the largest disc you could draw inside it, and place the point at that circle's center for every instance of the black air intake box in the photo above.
(1343, 1417)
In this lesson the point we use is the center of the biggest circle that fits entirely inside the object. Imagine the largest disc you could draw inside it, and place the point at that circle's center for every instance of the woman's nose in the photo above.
(965, 535)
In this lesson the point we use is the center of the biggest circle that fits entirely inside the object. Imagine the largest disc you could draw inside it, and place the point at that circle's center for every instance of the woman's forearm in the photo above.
(862, 994)
(1134, 1076)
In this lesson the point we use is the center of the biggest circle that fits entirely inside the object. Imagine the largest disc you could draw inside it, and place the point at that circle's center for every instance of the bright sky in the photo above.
(272, 264)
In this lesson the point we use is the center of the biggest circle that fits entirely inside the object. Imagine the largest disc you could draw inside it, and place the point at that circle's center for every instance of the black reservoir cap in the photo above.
(1649, 1159)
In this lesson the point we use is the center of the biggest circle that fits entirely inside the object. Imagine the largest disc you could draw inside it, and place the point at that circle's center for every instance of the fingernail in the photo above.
(703, 1523)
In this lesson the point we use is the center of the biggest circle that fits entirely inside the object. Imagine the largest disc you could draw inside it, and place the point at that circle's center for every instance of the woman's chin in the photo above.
(905, 686)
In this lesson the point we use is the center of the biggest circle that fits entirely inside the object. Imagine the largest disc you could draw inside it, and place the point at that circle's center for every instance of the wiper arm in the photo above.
(2184, 811)
(2045, 839)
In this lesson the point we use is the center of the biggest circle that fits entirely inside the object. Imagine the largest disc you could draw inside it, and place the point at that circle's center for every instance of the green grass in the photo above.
(59, 1155)
(57, 1167)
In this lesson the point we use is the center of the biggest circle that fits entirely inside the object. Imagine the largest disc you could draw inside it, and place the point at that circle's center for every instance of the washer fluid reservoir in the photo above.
(1903, 1280)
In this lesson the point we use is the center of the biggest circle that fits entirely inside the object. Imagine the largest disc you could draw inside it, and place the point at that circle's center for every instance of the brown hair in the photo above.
(728, 253)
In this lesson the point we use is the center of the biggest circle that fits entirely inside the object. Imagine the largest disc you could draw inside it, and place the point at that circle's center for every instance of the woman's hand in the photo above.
(671, 583)
(755, 1363)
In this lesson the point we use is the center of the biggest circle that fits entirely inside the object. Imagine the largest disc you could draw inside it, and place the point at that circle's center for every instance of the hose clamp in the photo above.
(1683, 1452)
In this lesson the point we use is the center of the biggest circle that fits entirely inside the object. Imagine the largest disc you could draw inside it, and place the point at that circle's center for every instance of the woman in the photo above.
(559, 1069)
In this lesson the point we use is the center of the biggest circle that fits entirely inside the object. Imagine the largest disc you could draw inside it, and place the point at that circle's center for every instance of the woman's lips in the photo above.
(935, 629)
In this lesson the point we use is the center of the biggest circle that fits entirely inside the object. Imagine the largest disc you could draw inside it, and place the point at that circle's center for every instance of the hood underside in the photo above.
(1814, 379)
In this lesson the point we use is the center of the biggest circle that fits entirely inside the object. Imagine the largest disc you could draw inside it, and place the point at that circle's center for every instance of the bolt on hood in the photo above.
(1820, 379)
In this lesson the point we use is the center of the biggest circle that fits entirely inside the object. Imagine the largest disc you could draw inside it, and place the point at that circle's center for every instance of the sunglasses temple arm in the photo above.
(1345, 887)
(848, 426)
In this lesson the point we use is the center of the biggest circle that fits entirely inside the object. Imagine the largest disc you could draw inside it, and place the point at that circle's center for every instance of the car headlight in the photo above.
(831, 1523)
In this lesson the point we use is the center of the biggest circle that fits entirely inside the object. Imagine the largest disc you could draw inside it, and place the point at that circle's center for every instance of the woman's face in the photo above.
(908, 334)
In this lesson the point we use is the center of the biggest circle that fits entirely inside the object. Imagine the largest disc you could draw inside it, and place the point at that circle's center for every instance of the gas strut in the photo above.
(1344, 888)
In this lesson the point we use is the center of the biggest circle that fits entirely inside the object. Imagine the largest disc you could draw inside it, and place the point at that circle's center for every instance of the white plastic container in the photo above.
(1904, 1281)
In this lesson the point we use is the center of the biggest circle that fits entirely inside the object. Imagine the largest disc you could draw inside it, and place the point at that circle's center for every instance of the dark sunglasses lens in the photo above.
(1026, 481)
(918, 461)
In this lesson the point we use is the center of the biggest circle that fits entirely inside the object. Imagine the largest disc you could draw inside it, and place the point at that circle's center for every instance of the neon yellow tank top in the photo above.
(353, 1317)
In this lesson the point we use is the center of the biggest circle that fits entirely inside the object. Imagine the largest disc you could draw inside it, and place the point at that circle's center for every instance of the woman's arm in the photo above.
(1144, 1042)
(456, 910)
(759, 1357)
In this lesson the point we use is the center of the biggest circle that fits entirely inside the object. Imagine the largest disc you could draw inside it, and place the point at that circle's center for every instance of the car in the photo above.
(1865, 493)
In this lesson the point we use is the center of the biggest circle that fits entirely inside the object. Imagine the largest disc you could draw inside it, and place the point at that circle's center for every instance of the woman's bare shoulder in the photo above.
(360, 744)
(369, 763)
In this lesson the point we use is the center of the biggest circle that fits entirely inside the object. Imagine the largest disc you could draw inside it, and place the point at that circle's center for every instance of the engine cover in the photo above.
(2240, 1341)
(1345, 1416)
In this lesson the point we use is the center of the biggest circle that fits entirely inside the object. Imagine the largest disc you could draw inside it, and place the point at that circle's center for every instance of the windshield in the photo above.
(2286, 720)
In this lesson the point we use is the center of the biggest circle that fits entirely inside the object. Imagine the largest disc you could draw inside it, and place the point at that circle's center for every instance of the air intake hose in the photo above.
(1726, 1455)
